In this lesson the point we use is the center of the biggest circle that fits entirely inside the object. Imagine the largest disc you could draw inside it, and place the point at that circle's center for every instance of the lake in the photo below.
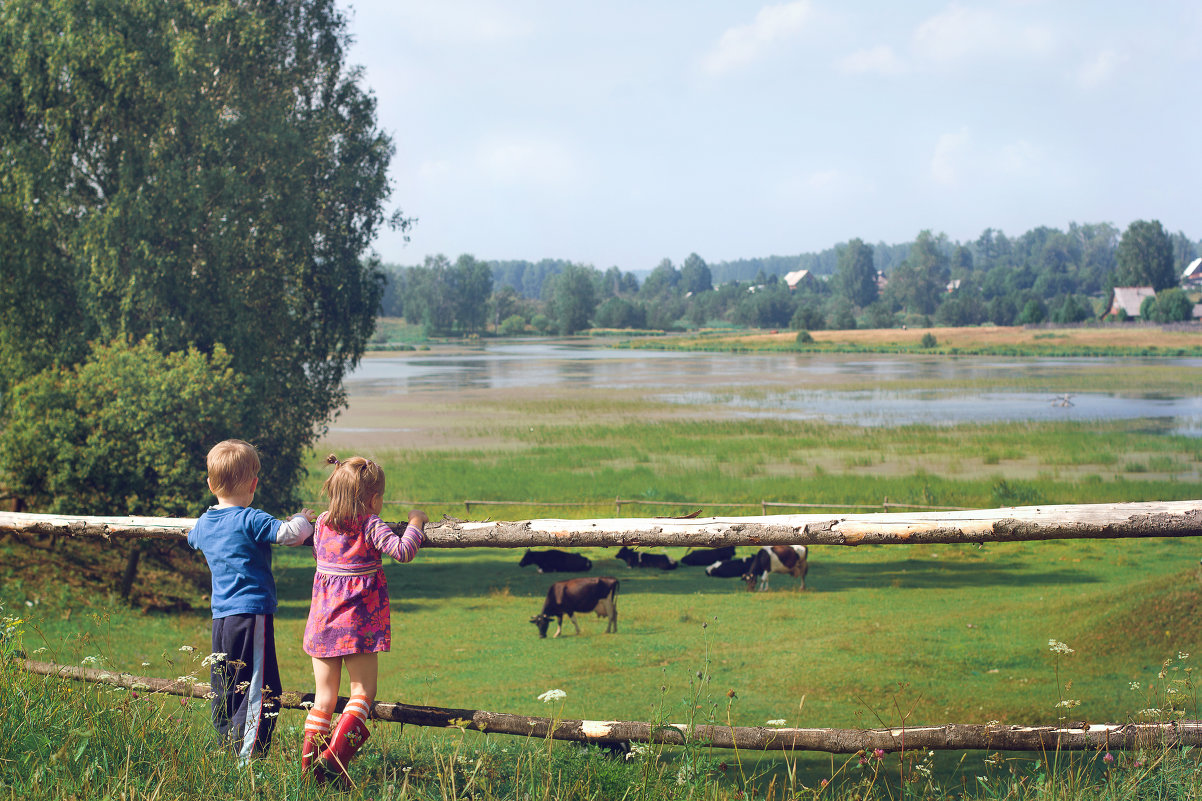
(870, 390)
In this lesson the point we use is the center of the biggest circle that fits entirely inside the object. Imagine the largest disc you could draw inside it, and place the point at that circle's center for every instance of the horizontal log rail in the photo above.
(947, 737)
(1009, 524)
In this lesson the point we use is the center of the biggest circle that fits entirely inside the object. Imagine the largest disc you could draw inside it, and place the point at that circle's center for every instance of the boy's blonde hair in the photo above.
(233, 465)
(350, 489)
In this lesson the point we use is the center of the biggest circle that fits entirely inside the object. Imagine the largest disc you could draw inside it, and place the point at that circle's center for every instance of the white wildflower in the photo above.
(1057, 647)
(187, 648)
(1068, 703)
(212, 659)
(1134, 685)
(39, 650)
(1150, 712)
(306, 704)
(145, 664)
(90, 660)
(1182, 655)
(242, 687)
(551, 696)
(777, 722)
(638, 750)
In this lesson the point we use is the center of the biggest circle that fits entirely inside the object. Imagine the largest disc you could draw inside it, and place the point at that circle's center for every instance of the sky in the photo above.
(622, 133)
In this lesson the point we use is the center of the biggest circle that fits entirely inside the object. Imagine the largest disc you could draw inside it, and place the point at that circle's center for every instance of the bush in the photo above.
(804, 337)
(928, 340)
(125, 432)
(512, 326)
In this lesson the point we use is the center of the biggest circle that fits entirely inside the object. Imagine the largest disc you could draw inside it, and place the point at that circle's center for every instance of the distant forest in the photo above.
(1046, 274)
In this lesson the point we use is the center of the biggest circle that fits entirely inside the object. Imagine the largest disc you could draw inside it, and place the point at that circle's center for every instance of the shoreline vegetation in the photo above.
(1095, 340)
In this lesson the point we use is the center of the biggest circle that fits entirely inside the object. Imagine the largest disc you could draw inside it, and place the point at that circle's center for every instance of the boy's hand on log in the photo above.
(418, 518)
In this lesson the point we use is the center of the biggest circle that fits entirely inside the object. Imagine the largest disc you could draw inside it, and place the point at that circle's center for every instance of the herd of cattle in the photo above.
(600, 594)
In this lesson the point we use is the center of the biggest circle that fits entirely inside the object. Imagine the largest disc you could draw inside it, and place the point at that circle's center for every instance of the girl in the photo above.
(349, 616)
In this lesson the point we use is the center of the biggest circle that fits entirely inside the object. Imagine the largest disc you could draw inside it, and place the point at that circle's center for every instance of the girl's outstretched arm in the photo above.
(401, 547)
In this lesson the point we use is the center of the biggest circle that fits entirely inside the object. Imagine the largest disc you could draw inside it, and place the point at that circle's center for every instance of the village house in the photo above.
(1193, 273)
(798, 278)
(1128, 299)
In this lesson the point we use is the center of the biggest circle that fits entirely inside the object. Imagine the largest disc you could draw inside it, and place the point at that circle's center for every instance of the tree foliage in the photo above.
(205, 173)
(1145, 257)
(855, 274)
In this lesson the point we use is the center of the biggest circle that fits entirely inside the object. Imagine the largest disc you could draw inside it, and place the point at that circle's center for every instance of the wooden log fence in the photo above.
(948, 737)
(1009, 524)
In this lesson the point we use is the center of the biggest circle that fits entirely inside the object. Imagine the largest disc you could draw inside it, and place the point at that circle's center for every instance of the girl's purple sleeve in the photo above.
(401, 548)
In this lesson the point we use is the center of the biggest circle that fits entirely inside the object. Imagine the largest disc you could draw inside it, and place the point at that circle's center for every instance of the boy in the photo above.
(236, 541)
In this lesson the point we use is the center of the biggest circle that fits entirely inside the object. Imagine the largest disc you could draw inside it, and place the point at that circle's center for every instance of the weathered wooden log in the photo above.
(1009, 524)
(947, 737)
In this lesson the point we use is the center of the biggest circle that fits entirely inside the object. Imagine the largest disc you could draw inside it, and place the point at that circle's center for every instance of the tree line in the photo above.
(1044, 275)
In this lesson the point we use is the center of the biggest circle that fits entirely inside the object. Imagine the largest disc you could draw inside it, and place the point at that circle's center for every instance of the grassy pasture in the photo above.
(883, 636)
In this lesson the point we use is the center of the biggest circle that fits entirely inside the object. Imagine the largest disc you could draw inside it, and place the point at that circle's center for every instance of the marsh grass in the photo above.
(1095, 340)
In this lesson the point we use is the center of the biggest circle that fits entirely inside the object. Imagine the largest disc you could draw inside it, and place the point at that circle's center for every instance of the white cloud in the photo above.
(1020, 158)
(958, 34)
(880, 60)
(1100, 69)
(743, 44)
(951, 157)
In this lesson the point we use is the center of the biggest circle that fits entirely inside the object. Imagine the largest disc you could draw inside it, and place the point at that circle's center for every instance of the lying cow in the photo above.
(556, 561)
(707, 556)
(634, 558)
(789, 559)
(728, 568)
(599, 594)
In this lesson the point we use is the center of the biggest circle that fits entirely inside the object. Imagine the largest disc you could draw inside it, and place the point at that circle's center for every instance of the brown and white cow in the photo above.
(770, 559)
(599, 594)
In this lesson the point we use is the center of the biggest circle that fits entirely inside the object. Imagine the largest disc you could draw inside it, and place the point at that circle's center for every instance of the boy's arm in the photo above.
(296, 531)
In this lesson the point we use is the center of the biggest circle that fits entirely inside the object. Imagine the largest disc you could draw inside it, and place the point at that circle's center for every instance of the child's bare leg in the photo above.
(362, 669)
(326, 675)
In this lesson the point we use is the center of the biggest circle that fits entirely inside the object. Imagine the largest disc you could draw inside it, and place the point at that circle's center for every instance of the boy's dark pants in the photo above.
(246, 683)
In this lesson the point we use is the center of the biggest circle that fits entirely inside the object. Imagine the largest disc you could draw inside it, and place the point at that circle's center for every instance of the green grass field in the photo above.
(884, 635)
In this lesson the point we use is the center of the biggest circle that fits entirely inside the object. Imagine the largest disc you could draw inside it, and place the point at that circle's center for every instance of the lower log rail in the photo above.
(948, 737)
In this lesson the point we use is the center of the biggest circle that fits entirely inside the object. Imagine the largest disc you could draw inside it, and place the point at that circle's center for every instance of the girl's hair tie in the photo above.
(334, 460)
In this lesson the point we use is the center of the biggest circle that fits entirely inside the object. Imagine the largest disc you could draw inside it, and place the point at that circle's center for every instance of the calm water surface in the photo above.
(788, 381)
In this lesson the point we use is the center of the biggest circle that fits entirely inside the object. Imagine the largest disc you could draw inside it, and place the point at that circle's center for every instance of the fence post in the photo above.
(763, 507)
(885, 505)
(467, 507)
(618, 506)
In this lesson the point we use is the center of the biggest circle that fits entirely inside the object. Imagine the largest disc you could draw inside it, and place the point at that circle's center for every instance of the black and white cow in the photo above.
(707, 556)
(634, 558)
(728, 568)
(598, 593)
(789, 559)
(556, 561)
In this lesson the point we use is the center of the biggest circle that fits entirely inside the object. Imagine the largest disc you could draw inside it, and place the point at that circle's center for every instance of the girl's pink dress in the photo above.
(349, 613)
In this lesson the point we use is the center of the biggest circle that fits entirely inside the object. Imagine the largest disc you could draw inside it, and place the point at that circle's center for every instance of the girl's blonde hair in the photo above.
(350, 489)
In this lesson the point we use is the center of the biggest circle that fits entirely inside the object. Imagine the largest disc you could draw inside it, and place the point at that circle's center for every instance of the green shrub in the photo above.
(124, 432)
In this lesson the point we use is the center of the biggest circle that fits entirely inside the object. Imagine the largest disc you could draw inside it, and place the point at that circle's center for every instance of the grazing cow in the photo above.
(707, 556)
(599, 594)
(634, 558)
(789, 559)
(728, 568)
(556, 561)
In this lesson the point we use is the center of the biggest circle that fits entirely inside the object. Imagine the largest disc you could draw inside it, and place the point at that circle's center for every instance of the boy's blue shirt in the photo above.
(236, 542)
